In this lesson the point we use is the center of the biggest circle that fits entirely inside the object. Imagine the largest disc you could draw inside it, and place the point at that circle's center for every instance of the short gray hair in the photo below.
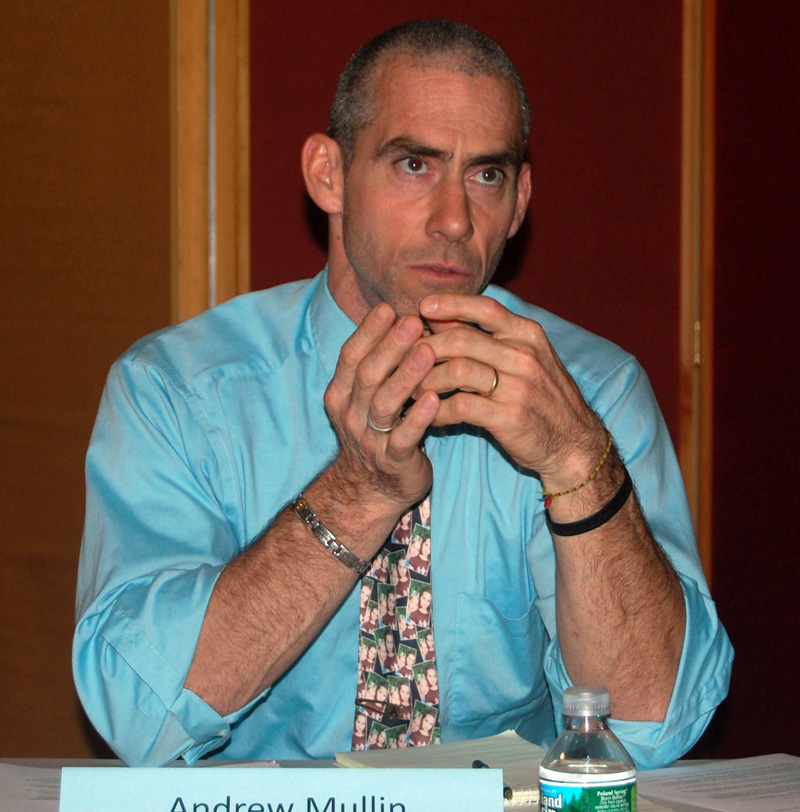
(441, 42)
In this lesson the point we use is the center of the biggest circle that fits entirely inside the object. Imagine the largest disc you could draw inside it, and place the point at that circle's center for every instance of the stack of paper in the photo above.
(517, 757)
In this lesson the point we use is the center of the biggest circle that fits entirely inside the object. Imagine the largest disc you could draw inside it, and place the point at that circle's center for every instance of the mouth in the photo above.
(442, 270)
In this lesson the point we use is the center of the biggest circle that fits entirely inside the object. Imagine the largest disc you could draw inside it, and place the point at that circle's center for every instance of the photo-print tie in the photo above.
(398, 685)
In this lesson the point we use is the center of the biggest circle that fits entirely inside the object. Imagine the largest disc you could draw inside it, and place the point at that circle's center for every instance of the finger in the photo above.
(389, 398)
(406, 437)
(467, 342)
(394, 366)
(462, 374)
(371, 354)
(484, 312)
(468, 408)
(373, 328)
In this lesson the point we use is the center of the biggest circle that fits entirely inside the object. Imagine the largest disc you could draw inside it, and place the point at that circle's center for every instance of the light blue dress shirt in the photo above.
(206, 430)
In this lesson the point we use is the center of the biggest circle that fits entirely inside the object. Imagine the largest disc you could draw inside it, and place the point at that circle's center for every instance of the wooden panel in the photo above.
(189, 165)
(84, 217)
(695, 438)
(233, 148)
(210, 222)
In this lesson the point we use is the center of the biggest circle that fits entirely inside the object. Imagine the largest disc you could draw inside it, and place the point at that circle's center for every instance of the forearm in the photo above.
(273, 600)
(619, 604)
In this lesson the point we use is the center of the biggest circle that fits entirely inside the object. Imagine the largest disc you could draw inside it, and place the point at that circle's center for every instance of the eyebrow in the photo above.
(406, 146)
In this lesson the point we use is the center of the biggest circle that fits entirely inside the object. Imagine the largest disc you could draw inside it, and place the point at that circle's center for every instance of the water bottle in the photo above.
(587, 768)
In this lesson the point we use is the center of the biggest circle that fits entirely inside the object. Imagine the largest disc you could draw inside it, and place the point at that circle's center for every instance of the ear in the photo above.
(323, 171)
(523, 197)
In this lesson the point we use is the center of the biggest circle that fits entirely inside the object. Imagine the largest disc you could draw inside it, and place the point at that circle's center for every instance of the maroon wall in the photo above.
(756, 380)
(602, 243)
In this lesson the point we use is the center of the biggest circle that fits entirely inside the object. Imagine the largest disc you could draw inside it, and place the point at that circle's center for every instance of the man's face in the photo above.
(432, 192)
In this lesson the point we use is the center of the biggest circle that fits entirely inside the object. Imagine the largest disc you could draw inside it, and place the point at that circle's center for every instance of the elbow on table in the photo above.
(124, 710)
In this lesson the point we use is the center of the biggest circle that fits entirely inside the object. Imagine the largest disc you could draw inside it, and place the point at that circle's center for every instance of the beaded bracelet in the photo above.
(549, 497)
(605, 514)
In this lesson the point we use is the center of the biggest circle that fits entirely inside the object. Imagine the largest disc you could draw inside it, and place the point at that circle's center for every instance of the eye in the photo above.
(413, 164)
(490, 176)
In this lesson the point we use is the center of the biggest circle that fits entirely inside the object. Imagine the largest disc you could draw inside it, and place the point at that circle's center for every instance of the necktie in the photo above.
(398, 684)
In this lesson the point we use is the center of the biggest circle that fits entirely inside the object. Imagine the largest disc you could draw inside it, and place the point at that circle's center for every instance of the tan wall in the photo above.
(84, 264)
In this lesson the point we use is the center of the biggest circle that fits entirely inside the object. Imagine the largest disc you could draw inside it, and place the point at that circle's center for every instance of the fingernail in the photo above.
(408, 327)
(431, 304)
(383, 313)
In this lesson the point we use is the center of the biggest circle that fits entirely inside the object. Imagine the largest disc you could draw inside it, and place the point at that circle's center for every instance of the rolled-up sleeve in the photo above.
(155, 540)
(701, 684)
(626, 403)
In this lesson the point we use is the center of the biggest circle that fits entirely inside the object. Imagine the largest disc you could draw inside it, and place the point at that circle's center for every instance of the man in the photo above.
(383, 381)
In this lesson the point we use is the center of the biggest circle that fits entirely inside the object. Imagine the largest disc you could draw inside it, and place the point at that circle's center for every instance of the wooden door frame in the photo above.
(210, 153)
(695, 443)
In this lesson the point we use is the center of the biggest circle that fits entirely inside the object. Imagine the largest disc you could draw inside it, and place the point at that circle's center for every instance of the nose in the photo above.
(450, 214)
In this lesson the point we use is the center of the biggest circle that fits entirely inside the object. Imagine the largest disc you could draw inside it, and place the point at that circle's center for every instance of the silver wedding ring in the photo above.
(491, 389)
(381, 429)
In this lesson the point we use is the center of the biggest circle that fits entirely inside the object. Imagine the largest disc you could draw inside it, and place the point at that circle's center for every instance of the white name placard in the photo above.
(243, 789)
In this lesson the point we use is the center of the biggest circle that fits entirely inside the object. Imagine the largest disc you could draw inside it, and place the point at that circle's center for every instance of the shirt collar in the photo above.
(330, 327)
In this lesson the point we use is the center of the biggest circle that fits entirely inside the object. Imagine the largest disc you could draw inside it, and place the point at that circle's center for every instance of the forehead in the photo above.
(441, 107)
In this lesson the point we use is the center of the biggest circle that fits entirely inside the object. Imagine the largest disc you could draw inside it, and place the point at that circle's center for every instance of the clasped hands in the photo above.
(465, 359)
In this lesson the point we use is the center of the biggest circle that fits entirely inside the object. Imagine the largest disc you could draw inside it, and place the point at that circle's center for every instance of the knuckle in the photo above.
(381, 414)
(529, 366)
(349, 355)
(365, 377)
(461, 366)
(521, 392)
(517, 415)
(536, 333)
(462, 338)
(493, 309)
(458, 406)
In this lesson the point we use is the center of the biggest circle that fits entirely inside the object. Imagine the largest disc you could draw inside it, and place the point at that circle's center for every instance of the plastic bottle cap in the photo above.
(587, 701)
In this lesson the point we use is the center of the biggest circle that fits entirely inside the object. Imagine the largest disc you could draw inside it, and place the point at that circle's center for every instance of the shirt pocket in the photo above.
(498, 662)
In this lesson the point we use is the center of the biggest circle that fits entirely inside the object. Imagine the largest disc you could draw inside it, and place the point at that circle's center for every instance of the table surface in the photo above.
(51, 803)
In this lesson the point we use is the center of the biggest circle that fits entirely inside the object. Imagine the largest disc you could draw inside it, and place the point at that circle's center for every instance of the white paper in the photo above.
(764, 783)
(643, 805)
(29, 789)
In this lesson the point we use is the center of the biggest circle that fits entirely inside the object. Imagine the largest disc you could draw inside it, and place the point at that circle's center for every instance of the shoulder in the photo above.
(590, 358)
(248, 334)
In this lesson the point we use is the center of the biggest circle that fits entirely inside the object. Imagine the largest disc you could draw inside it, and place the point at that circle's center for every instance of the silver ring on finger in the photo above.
(382, 429)
(488, 393)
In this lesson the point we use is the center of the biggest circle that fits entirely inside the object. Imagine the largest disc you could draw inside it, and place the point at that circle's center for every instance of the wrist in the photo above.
(379, 498)
(601, 481)
(326, 538)
(596, 519)
(352, 512)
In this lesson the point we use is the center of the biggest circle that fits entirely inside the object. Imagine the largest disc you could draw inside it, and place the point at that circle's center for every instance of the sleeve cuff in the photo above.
(701, 684)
